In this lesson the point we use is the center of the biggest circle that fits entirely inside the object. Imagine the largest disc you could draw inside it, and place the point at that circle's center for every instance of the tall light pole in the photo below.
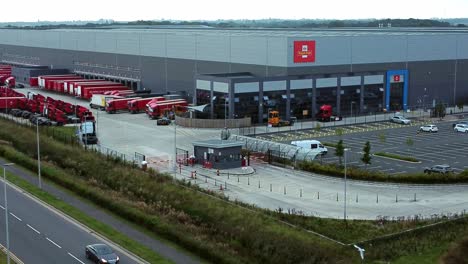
(6, 211)
(175, 144)
(225, 111)
(344, 213)
(38, 155)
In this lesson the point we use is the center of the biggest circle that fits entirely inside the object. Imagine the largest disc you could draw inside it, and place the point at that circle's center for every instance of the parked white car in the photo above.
(461, 128)
(429, 128)
(400, 120)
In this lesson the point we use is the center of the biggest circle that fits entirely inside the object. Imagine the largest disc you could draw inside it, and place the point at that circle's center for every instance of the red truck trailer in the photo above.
(160, 109)
(59, 85)
(45, 79)
(8, 103)
(137, 105)
(33, 82)
(326, 114)
(116, 105)
(9, 92)
(89, 91)
(78, 89)
(70, 87)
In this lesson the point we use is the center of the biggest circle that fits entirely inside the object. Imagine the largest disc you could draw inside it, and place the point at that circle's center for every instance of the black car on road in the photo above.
(101, 253)
(163, 121)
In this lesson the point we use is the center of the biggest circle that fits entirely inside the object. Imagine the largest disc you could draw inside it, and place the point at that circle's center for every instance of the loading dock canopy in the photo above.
(288, 151)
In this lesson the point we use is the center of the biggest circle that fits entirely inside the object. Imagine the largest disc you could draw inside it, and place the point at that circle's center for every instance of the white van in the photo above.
(311, 144)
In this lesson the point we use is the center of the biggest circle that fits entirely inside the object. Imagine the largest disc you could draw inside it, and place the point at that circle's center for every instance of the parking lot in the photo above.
(443, 147)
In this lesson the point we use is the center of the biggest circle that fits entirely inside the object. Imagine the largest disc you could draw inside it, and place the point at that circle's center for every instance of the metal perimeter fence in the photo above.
(418, 114)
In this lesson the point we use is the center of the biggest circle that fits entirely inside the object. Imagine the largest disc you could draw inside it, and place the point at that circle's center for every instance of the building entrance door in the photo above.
(396, 96)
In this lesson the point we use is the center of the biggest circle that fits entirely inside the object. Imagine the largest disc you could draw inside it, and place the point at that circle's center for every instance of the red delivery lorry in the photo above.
(116, 105)
(137, 105)
(165, 108)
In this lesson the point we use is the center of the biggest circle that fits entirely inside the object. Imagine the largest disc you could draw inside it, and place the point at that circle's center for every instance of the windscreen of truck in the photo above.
(87, 128)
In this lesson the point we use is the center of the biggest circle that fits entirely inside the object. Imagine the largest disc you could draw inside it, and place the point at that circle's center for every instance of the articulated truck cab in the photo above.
(87, 130)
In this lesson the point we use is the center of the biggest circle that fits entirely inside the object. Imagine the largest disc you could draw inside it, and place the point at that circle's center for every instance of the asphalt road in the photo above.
(40, 235)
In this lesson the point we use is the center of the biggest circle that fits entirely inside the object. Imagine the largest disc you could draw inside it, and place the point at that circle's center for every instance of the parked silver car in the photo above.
(400, 120)
(461, 128)
(429, 128)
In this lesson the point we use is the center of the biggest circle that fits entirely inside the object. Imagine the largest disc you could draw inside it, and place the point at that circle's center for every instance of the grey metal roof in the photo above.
(217, 143)
(282, 32)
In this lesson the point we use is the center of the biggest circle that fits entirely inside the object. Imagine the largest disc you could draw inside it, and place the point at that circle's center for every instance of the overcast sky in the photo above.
(130, 10)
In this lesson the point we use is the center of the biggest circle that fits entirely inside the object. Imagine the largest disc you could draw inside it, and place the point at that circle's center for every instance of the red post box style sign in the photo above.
(304, 51)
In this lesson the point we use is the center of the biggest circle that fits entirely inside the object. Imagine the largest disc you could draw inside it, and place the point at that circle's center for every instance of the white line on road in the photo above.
(57, 245)
(2, 207)
(19, 219)
(77, 259)
(34, 229)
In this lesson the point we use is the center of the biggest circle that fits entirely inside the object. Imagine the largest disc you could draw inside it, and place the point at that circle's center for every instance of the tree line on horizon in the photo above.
(262, 23)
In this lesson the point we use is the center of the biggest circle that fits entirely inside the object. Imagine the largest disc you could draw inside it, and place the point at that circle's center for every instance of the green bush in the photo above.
(396, 156)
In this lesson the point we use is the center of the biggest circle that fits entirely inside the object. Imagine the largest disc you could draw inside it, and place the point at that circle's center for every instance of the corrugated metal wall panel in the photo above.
(248, 50)
(462, 50)
(301, 84)
(86, 41)
(153, 44)
(128, 43)
(105, 42)
(351, 80)
(213, 48)
(436, 47)
(181, 46)
(277, 48)
(375, 49)
(328, 51)
(249, 87)
(68, 40)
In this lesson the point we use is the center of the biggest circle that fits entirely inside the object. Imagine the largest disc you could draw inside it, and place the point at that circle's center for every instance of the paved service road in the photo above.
(39, 235)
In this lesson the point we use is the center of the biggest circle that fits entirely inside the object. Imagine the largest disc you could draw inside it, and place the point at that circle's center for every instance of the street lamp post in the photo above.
(344, 213)
(225, 111)
(38, 155)
(6, 211)
(175, 144)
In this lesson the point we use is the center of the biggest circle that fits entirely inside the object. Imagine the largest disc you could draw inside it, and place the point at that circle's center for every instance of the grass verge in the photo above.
(101, 228)
(396, 156)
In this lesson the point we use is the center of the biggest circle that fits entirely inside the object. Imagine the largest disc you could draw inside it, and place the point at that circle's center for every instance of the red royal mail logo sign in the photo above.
(304, 51)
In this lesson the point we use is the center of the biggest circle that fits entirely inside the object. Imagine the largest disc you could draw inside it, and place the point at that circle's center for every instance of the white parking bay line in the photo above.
(57, 245)
(19, 219)
(34, 229)
(77, 259)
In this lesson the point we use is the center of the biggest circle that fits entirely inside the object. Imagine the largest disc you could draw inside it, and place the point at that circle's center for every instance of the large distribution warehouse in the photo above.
(249, 72)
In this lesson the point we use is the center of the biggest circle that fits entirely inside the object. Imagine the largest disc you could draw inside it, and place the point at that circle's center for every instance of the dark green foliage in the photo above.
(366, 157)
(439, 110)
(339, 150)
(396, 156)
